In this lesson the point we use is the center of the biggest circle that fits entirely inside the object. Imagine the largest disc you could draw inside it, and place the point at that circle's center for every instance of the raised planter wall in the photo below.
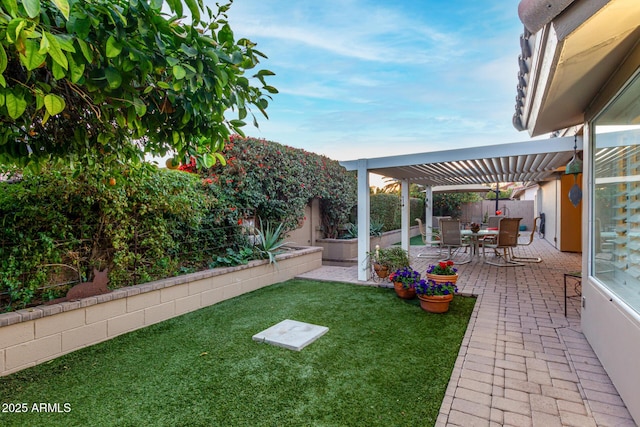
(345, 251)
(31, 336)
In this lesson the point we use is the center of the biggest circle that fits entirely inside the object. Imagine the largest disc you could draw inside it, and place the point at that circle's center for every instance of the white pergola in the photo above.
(531, 161)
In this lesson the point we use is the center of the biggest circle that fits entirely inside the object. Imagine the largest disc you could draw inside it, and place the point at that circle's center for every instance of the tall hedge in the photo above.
(386, 209)
(149, 224)
(276, 182)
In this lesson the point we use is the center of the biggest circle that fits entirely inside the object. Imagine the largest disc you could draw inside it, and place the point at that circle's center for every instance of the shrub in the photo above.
(275, 182)
(386, 209)
(57, 228)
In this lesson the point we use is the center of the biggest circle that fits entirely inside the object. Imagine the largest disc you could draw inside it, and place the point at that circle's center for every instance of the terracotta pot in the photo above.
(402, 292)
(381, 270)
(435, 303)
(439, 278)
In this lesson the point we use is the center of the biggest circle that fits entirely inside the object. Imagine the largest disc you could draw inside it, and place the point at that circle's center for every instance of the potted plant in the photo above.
(443, 272)
(404, 280)
(386, 260)
(435, 297)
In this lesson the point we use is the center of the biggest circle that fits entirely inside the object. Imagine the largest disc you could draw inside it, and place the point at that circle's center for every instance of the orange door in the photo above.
(570, 217)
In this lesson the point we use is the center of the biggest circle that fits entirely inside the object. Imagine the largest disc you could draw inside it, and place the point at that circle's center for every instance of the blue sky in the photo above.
(367, 78)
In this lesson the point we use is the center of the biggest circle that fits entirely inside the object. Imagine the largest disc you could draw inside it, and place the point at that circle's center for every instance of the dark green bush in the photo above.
(275, 182)
(145, 224)
(151, 224)
(386, 209)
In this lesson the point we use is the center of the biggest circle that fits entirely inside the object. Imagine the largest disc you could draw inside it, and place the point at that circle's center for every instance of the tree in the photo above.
(118, 79)
(450, 203)
(393, 186)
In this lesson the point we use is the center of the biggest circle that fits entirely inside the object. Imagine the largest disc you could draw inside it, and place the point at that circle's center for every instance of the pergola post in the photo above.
(364, 211)
(405, 213)
(428, 208)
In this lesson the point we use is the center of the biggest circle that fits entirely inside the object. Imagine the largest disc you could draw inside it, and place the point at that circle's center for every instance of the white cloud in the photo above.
(358, 78)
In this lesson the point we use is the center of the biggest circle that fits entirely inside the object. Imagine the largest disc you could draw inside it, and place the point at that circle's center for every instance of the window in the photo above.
(615, 256)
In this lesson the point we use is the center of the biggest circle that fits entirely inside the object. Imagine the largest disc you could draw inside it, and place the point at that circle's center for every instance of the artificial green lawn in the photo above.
(414, 241)
(383, 362)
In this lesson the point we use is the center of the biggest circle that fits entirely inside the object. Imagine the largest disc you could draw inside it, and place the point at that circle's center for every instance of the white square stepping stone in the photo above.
(291, 334)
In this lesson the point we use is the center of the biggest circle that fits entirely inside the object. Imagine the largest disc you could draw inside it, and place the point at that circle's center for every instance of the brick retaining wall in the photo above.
(32, 336)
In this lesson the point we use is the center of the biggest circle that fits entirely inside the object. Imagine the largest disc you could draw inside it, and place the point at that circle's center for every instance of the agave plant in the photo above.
(270, 240)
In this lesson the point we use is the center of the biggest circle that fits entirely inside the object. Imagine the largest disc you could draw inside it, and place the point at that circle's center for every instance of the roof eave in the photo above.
(568, 60)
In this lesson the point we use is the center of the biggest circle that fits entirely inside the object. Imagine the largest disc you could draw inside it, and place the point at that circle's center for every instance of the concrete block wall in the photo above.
(31, 336)
(345, 251)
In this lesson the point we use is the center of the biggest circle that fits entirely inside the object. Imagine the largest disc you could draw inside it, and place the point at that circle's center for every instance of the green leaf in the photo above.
(221, 158)
(208, 160)
(225, 35)
(32, 7)
(44, 46)
(77, 70)
(86, 50)
(188, 50)
(156, 4)
(140, 106)
(176, 6)
(179, 72)
(63, 7)
(11, 6)
(66, 42)
(14, 29)
(58, 72)
(264, 73)
(172, 61)
(39, 100)
(114, 47)
(195, 11)
(54, 104)
(15, 105)
(113, 77)
(3, 59)
(32, 58)
(55, 51)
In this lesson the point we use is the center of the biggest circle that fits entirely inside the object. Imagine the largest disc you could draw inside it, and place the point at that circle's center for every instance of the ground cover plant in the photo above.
(384, 362)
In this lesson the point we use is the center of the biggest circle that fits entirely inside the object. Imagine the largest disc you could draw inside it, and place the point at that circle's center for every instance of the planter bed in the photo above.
(344, 252)
(34, 335)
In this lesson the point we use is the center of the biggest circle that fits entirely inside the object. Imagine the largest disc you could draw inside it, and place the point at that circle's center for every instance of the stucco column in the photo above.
(428, 209)
(364, 209)
(405, 225)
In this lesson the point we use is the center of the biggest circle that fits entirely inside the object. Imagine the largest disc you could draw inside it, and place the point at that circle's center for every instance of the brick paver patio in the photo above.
(522, 362)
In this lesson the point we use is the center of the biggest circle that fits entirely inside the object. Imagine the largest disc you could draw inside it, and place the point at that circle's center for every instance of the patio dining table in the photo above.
(474, 238)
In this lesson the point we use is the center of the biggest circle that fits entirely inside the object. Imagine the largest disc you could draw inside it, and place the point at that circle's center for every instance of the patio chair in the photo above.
(492, 223)
(451, 238)
(429, 239)
(527, 259)
(507, 238)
